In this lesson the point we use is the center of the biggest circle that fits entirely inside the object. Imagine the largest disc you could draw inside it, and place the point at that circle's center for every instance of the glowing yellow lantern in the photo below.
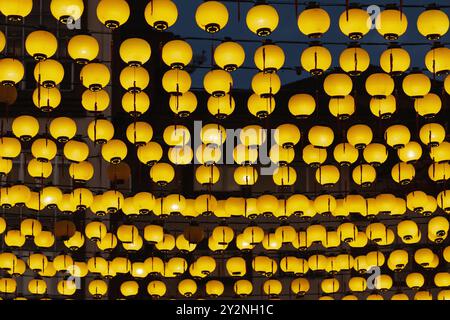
(364, 175)
(67, 11)
(186, 103)
(262, 19)
(391, 23)
(37, 286)
(316, 59)
(403, 173)
(327, 175)
(338, 85)
(354, 60)
(395, 60)
(269, 58)
(83, 48)
(314, 156)
(432, 134)
(46, 99)
(76, 151)
(229, 55)
(95, 76)
(260, 106)
(397, 136)
(208, 22)
(135, 51)
(187, 287)
(342, 108)
(287, 135)
(177, 54)
(25, 127)
(139, 133)
(313, 21)
(95, 230)
(134, 79)
(11, 71)
(176, 81)
(114, 151)
(345, 154)
(15, 11)
(162, 173)
(428, 106)
(98, 288)
(156, 289)
(416, 85)
(49, 73)
(415, 280)
(113, 13)
(433, 23)
(359, 135)
(321, 136)
(41, 44)
(302, 105)
(436, 60)
(284, 176)
(380, 85)
(161, 14)
(95, 101)
(150, 153)
(353, 23)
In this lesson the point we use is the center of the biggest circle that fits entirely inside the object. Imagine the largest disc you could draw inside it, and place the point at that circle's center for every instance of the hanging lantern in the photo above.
(37, 286)
(213, 134)
(229, 55)
(14, 238)
(50, 197)
(403, 173)
(15, 11)
(161, 14)
(436, 60)
(207, 175)
(100, 131)
(428, 106)
(11, 71)
(391, 23)
(37, 261)
(410, 153)
(302, 105)
(39, 169)
(211, 23)
(135, 51)
(342, 108)
(183, 105)
(316, 59)
(43, 149)
(134, 79)
(269, 58)
(30, 228)
(95, 101)
(440, 153)
(359, 135)
(114, 151)
(139, 133)
(63, 129)
(176, 82)
(221, 107)
(327, 175)
(281, 156)
(397, 136)
(383, 108)
(98, 288)
(49, 73)
(177, 54)
(416, 85)
(353, 23)
(380, 85)
(325, 204)
(287, 135)
(345, 154)
(244, 156)
(272, 288)
(187, 287)
(95, 76)
(156, 289)
(284, 176)
(176, 135)
(67, 11)
(76, 151)
(5, 166)
(113, 13)
(321, 136)
(135, 104)
(261, 107)
(314, 156)
(208, 154)
(83, 48)
(415, 201)
(180, 155)
(439, 172)
(438, 226)
(150, 153)
(218, 82)
(162, 173)
(433, 23)
(46, 99)
(338, 85)
(41, 44)
(25, 127)
(262, 19)
(395, 60)
(432, 134)
(364, 175)
(354, 60)
(407, 229)
(313, 21)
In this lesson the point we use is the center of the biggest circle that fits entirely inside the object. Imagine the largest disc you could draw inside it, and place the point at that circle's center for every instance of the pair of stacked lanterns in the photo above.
(361, 149)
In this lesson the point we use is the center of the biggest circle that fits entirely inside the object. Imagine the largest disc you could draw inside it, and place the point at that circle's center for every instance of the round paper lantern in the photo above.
(113, 13)
(262, 19)
(229, 55)
(391, 23)
(316, 59)
(302, 105)
(436, 60)
(49, 73)
(135, 104)
(11, 71)
(41, 44)
(67, 11)
(354, 60)
(269, 58)
(25, 127)
(177, 54)
(338, 85)
(211, 23)
(433, 23)
(380, 85)
(95, 76)
(16, 10)
(383, 108)
(83, 48)
(313, 21)
(395, 60)
(353, 23)
(135, 51)
(161, 14)
(416, 85)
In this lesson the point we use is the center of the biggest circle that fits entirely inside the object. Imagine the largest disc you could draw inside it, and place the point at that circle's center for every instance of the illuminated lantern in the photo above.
(359, 135)
(187, 287)
(37, 286)
(364, 175)
(162, 173)
(330, 285)
(135, 51)
(327, 175)
(113, 201)
(214, 288)
(269, 58)
(134, 79)
(156, 289)
(403, 173)
(347, 232)
(150, 153)
(41, 44)
(161, 14)
(14, 238)
(63, 129)
(95, 76)
(76, 151)
(46, 99)
(183, 105)
(135, 104)
(302, 105)
(37, 261)
(207, 175)
(95, 231)
(357, 284)
(415, 280)
(252, 135)
(5, 166)
(30, 228)
(83, 48)
(50, 197)
(436, 60)
(211, 23)
(209, 154)
(284, 176)
(61, 262)
(380, 85)
(25, 127)
(218, 82)
(261, 107)
(245, 176)
(176, 82)
(383, 108)
(432, 134)
(100, 131)
(95, 101)
(353, 23)
(354, 60)
(262, 19)
(433, 23)
(66, 287)
(15, 11)
(398, 259)
(316, 59)
(139, 133)
(177, 54)
(440, 153)
(272, 288)
(98, 288)
(281, 156)
(11, 71)
(397, 136)
(75, 242)
(407, 229)
(266, 84)
(416, 85)
(345, 154)
(428, 106)
(113, 13)
(338, 85)
(438, 226)
(129, 288)
(180, 155)
(342, 108)
(442, 279)
(43, 149)
(395, 60)
(424, 257)
(321, 136)
(439, 172)
(415, 201)
(176, 135)
(48, 73)
(114, 151)
(314, 156)
(213, 134)
(375, 154)
(313, 21)
(287, 135)
(67, 11)
(229, 55)
(391, 23)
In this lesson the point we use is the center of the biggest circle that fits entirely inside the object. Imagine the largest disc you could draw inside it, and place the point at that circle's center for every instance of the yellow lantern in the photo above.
(135, 51)
(176, 135)
(262, 19)
(12, 71)
(259, 106)
(342, 108)
(314, 156)
(96, 101)
(75, 242)
(316, 59)
(243, 288)
(300, 286)
(364, 175)
(156, 289)
(284, 176)
(313, 21)
(63, 129)
(134, 79)
(161, 14)
(214, 288)
(176, 82)
(150, 153)
(41, 44)
(114, 151)
(383, 108)
(415, 280)
(49, 73)
(100, 131)
(438, 226)
(398, 259)
(321, 136)
(177, 54)
(330, 285)
(269, 58)
(432, 134)
(428, 106)
(439, 172)
(98, 288)
(135, 104)
(25, 127)
(245, 175)
(442, 279)
(66, 287)
(5, 166)
(359, 135)
(354, 60)
(302, 105)
(440, 153)
(67, 11)
(95, 76)
(218, 82)
(287, 135)
(95, 230)
(357, 284)
(83, 48)
(380, 85)
(37, 261)
(187, 287)
(416, 85)
(14, 238)
(180, 155)
(37, 286)
(113, 201)
(236, 267)
(424, 257)
(162, 173)
(208, 22)
(129, 288)
(81, 172)
(76, 151)
(43, 149)
(16, 10)
(391, 23)
(403, 173)
(272, 288)
(338, 85)
(266, 84)
(229, 55)
(436, 60)
(139, 133)
(410, 153)
(433, 23)
(407, 229)
(353, 23)
(8, 260)
(281, 156)
(113, 13)
(395, 60)
(397, 136)
(186, 103)
(415, 201)
(46, 99)
(345, 154)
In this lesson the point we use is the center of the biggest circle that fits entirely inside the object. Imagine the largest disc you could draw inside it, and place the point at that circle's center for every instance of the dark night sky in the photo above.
(288, 30)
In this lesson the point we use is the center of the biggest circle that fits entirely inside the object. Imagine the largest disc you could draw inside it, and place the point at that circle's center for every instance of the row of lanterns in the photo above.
(262, 19)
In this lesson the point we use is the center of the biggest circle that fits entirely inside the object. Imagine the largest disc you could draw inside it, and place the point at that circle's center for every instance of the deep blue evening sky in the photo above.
(288, 30)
